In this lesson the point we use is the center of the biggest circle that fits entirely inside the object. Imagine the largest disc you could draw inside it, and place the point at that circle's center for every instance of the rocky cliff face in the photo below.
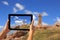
(16, 36)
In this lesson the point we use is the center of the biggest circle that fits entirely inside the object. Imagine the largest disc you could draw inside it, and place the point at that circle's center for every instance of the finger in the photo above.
(31, 26)
(7, 24)
(32, 22)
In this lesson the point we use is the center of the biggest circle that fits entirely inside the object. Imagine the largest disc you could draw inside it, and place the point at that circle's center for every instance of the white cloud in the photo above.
(5, 2)
(30, 12)
(44, 14)
(1, 26)
(19, 22)
(58, 19)
(19, 6)
(34, 17)
(16, 17)
(43, 23)
(15, 10)
(36, 13)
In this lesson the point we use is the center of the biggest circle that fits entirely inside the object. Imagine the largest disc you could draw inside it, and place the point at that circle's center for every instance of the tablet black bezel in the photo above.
(19, 15)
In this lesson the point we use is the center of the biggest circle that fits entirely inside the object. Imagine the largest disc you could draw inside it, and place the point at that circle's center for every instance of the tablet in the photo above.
(20, 21)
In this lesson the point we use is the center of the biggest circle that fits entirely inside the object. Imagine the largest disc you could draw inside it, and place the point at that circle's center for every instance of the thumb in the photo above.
(32, 22)
(7, 24)
(31, 26)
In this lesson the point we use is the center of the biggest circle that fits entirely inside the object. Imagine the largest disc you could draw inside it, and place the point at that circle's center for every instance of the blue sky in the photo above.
(49, 8)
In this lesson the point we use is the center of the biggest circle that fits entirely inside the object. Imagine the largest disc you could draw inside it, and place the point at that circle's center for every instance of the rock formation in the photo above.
(39, 21)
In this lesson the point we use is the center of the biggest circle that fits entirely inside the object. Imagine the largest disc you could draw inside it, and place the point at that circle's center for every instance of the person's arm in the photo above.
(4, 31)
(30, 37)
